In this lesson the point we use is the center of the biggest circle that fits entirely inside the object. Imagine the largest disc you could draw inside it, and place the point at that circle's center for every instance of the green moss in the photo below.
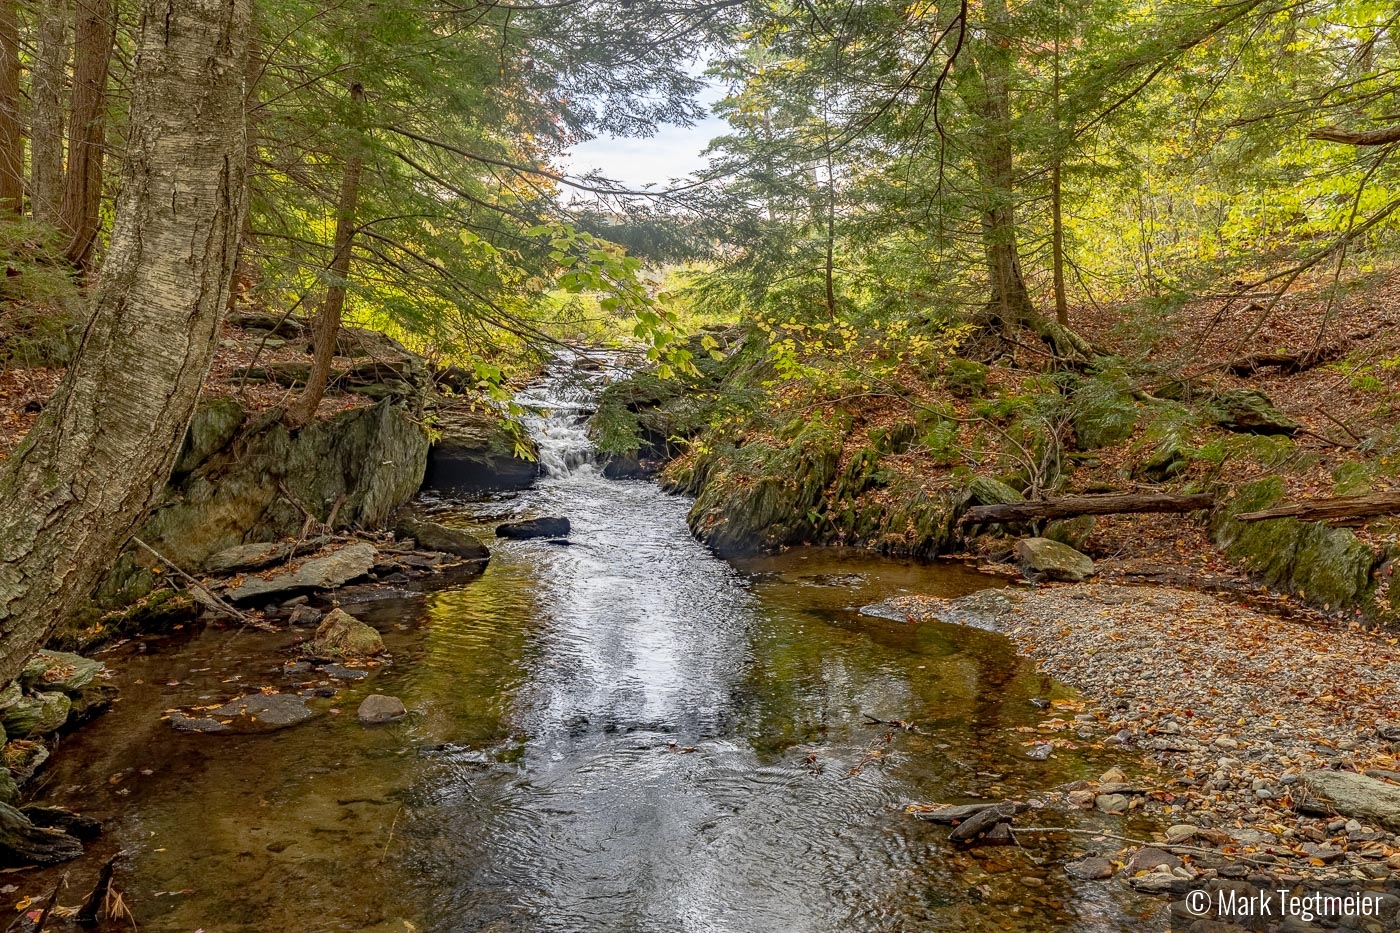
(966, 378)
(1102, 411)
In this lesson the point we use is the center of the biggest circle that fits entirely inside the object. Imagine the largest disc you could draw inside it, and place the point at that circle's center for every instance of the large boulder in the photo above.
(1053, 560)
(535, 528)
(432, 536)
(1349, 794)
(476, 450)
(319, 573)
(341, 635)
(39, 714)
(242, 558)
(1250, 411)
(377, 708)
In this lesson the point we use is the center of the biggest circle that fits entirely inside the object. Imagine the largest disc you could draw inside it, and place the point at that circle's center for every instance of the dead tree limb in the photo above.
(1333, 509)
(1378, 137)
(1072, 506)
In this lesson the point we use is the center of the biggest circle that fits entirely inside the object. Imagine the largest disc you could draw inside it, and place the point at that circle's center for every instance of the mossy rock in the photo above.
(9, 789)
(1249, 411)
(1071, 531)
(39, 714)
(966, 378)
(341, 635)
(1102, 414)
(983, 490)
(215, 423)
(1327, 566)
(59, 670)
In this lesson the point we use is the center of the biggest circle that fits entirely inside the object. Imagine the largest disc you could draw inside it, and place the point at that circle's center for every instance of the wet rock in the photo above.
(341, 635)
(344, 673)
(254, 713)
(376, 709)
(242, 558)
(1090, 868)
(982, 822)
(74, 824)
(951, 813)
(432, 536)
(23, 757)
(1040, 751)
(534, 528)
(39, 714)
(1180, 834)
(182, 722)
(319, 573)
(1350, 794)
(303, 616)
(59, 670)
(23, 843)
(475, 451)
(9, 790)
(1053, 560)
(90, 701)
(998, 835)
(1150, 858)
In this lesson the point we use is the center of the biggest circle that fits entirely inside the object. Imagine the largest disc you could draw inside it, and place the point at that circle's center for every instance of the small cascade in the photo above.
(559, 406)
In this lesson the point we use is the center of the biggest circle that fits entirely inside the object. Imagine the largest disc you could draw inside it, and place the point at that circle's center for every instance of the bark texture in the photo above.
(327, 324)
(1073, 506)
(11, 133)
(94, 465)
(94, 33)
(47, 111)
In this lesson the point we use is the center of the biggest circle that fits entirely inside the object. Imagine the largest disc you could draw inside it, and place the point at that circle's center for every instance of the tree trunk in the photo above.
(1340, 507)
(46, 113)
(1057, 226)
(94, 33)
(11, 132)
(90, 471)
(1010, 301)
(327, 324)
(1072, 506)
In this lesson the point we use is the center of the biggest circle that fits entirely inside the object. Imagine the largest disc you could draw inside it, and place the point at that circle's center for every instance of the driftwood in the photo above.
(1334, 509)
(1072, 506)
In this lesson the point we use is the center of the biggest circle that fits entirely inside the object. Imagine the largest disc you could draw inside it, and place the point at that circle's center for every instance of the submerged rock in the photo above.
(535, 528)
(1090, 868)
(256, 712)
(376, 709)
(432, 536)
(1053, 560)
(341, 635)
(319, 573)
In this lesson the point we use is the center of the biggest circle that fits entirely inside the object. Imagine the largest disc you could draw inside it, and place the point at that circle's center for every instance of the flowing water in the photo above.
(619, 732)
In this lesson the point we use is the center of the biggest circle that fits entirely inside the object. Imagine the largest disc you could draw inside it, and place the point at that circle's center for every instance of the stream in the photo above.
(617, 733)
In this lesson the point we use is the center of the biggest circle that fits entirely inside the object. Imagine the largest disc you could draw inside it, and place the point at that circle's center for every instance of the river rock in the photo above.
(319, 573)
(1149, 858)
(1090, 868)
(951, 813)
(63, 820)
(341, 635)
(60, 670)
(432, 536)
(982, 822)
(534, 528)
(1053, 560)
(36, 715)
(9, 790)
(475, 450)
(256, 712)
(1350, 794)
(376, 709)
(242, 558)
(340, 672)
(1111, 803)
(23, 843)
(23, 757)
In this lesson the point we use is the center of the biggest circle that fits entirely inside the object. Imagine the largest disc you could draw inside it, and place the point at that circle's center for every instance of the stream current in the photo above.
(617, 733)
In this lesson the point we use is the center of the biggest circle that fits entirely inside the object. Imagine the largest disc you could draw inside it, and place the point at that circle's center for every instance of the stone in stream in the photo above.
(982, 821)
(1111, 803)
(254, 713)
(63, 820)
(951, 813)
(59, 670)
(1350, 794)
(23, 843)
(340, 672)
(319, 573)
(1053, 560)
(36, 715)
(377, 709)
(1090, 868)
(432, 536)
(1150, 858)
(341, 635)
(535, 528)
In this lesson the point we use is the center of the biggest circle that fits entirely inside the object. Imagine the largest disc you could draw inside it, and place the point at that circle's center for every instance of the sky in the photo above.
(674, 152)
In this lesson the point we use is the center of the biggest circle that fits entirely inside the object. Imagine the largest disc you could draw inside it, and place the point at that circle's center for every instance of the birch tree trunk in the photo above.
(90, 471)
(94, 33)
(46, 113)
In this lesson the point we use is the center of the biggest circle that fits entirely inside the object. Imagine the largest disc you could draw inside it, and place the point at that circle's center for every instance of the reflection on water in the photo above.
(623, 733)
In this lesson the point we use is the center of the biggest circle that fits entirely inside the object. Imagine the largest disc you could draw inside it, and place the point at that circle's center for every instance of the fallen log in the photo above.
(1333, 509)
(1072, 506)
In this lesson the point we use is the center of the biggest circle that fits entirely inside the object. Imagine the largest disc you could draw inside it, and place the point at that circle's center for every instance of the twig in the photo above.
(242, 617)
(53, 899)
(1328, 415)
